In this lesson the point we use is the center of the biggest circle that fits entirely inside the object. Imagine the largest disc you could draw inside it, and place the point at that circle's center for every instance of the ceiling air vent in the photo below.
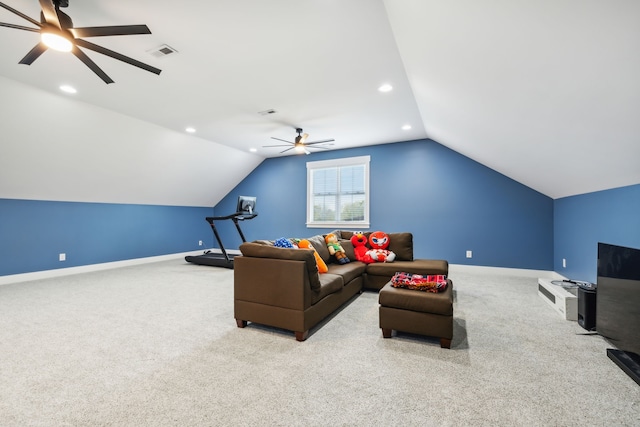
(162, 51)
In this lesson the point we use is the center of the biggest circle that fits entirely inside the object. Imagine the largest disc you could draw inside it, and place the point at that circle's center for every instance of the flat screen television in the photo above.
(246, 205)
(618, 305)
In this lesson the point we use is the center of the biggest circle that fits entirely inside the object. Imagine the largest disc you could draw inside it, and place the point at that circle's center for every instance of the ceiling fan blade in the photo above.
(92, 65)
(304, 138)
(322, 148)
(268, 146)
(283, 140)
(112, 30)
(33, 54)
(50, 13)
(286, 150)
(307, 152)
(320, 142)
(20, 14)
(19, 27)
(116, 55)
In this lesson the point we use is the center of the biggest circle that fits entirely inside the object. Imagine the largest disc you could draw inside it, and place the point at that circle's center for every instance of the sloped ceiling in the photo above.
(544, 92)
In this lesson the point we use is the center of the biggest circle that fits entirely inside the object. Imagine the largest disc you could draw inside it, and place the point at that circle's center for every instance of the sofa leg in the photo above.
(445, 343)
(241, 323)
(301, 336)
(386, 333)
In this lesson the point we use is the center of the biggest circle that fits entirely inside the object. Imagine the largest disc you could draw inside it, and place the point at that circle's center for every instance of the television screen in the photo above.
(246, 205)
(618, 304)
(618, 262)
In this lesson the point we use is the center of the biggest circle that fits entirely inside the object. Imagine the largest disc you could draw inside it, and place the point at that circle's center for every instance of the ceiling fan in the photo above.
(300, 144)
(57, 32)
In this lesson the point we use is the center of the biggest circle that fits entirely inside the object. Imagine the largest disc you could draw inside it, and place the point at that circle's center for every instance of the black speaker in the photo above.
(587, 308)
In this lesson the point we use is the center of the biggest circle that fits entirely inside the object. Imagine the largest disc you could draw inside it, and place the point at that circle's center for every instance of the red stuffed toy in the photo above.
(360, 248)
(379, 242)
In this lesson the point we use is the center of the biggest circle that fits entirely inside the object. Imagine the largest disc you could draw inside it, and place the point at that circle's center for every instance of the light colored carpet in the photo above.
(157, 345)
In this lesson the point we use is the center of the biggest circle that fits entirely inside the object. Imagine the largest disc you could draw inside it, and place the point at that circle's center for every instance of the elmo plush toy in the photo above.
(379, 242)
(360, 248)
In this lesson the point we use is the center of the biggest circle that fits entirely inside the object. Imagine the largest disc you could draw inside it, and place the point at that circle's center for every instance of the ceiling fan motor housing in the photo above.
(63, 18)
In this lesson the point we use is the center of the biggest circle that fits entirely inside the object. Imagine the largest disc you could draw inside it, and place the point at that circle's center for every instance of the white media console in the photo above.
(562, 301)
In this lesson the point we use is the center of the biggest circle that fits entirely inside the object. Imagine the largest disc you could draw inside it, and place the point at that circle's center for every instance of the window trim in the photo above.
(348, 161)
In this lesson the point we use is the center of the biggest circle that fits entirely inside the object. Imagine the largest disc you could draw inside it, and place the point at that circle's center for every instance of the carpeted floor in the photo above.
(157, 345)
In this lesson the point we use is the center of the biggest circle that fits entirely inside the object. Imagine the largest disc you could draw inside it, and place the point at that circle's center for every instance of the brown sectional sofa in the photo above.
(281, 287)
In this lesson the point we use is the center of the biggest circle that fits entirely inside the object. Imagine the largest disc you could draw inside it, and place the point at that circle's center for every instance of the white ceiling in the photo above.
(545, 92)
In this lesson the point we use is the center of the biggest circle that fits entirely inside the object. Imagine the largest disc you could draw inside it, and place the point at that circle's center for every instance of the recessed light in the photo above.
(406, 127)
(190, 130)
(68, 89)
(253, 150)
(385, 88)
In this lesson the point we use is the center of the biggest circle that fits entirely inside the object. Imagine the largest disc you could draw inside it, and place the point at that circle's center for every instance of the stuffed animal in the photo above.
(379, 242)
(283, 242)
(360, 248)
(322, 266)
(336, 249)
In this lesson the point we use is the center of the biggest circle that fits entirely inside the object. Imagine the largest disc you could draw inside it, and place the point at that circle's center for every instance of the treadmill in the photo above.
(245, 212)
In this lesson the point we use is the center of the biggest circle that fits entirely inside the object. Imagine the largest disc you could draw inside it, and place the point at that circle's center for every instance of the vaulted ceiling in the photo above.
(545, 92)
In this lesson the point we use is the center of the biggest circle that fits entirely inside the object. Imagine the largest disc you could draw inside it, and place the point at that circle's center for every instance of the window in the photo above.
(338, 193)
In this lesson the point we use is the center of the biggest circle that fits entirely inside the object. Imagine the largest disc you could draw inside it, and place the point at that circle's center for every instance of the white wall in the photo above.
(55, 148)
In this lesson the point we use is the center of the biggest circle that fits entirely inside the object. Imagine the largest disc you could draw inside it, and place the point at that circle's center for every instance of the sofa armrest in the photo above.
(273, 282)
(257, 250)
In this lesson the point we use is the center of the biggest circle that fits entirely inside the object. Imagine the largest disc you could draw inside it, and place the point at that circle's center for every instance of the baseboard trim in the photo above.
(453, 268)
(505, 271)
(58, 272)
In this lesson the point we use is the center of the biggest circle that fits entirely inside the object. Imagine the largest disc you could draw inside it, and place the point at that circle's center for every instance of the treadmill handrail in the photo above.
(235, 217)
(240, 216)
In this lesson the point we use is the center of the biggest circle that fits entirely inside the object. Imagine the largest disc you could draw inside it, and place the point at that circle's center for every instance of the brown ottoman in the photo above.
(417, 312)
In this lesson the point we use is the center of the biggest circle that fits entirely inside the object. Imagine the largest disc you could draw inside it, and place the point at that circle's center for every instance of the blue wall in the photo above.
(580, 222)
(34, 233)
(449, 202)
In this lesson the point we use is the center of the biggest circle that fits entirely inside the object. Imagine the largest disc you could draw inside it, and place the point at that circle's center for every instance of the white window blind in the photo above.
(338, 193)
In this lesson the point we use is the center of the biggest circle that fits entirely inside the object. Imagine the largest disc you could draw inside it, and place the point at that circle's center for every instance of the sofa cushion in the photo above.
(424, 302)
(348, 271)
(265, 242)
(417, 266)
(348, 249)
(402, 245)
(329, 283)
(259, 250)
(321, 247)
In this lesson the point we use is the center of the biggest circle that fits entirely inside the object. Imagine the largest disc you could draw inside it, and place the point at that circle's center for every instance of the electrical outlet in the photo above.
(469, 254)
(564, 263)
(199, 242)
(62, 257)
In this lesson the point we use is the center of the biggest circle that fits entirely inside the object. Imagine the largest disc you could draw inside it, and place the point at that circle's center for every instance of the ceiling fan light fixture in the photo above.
(56, 41)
